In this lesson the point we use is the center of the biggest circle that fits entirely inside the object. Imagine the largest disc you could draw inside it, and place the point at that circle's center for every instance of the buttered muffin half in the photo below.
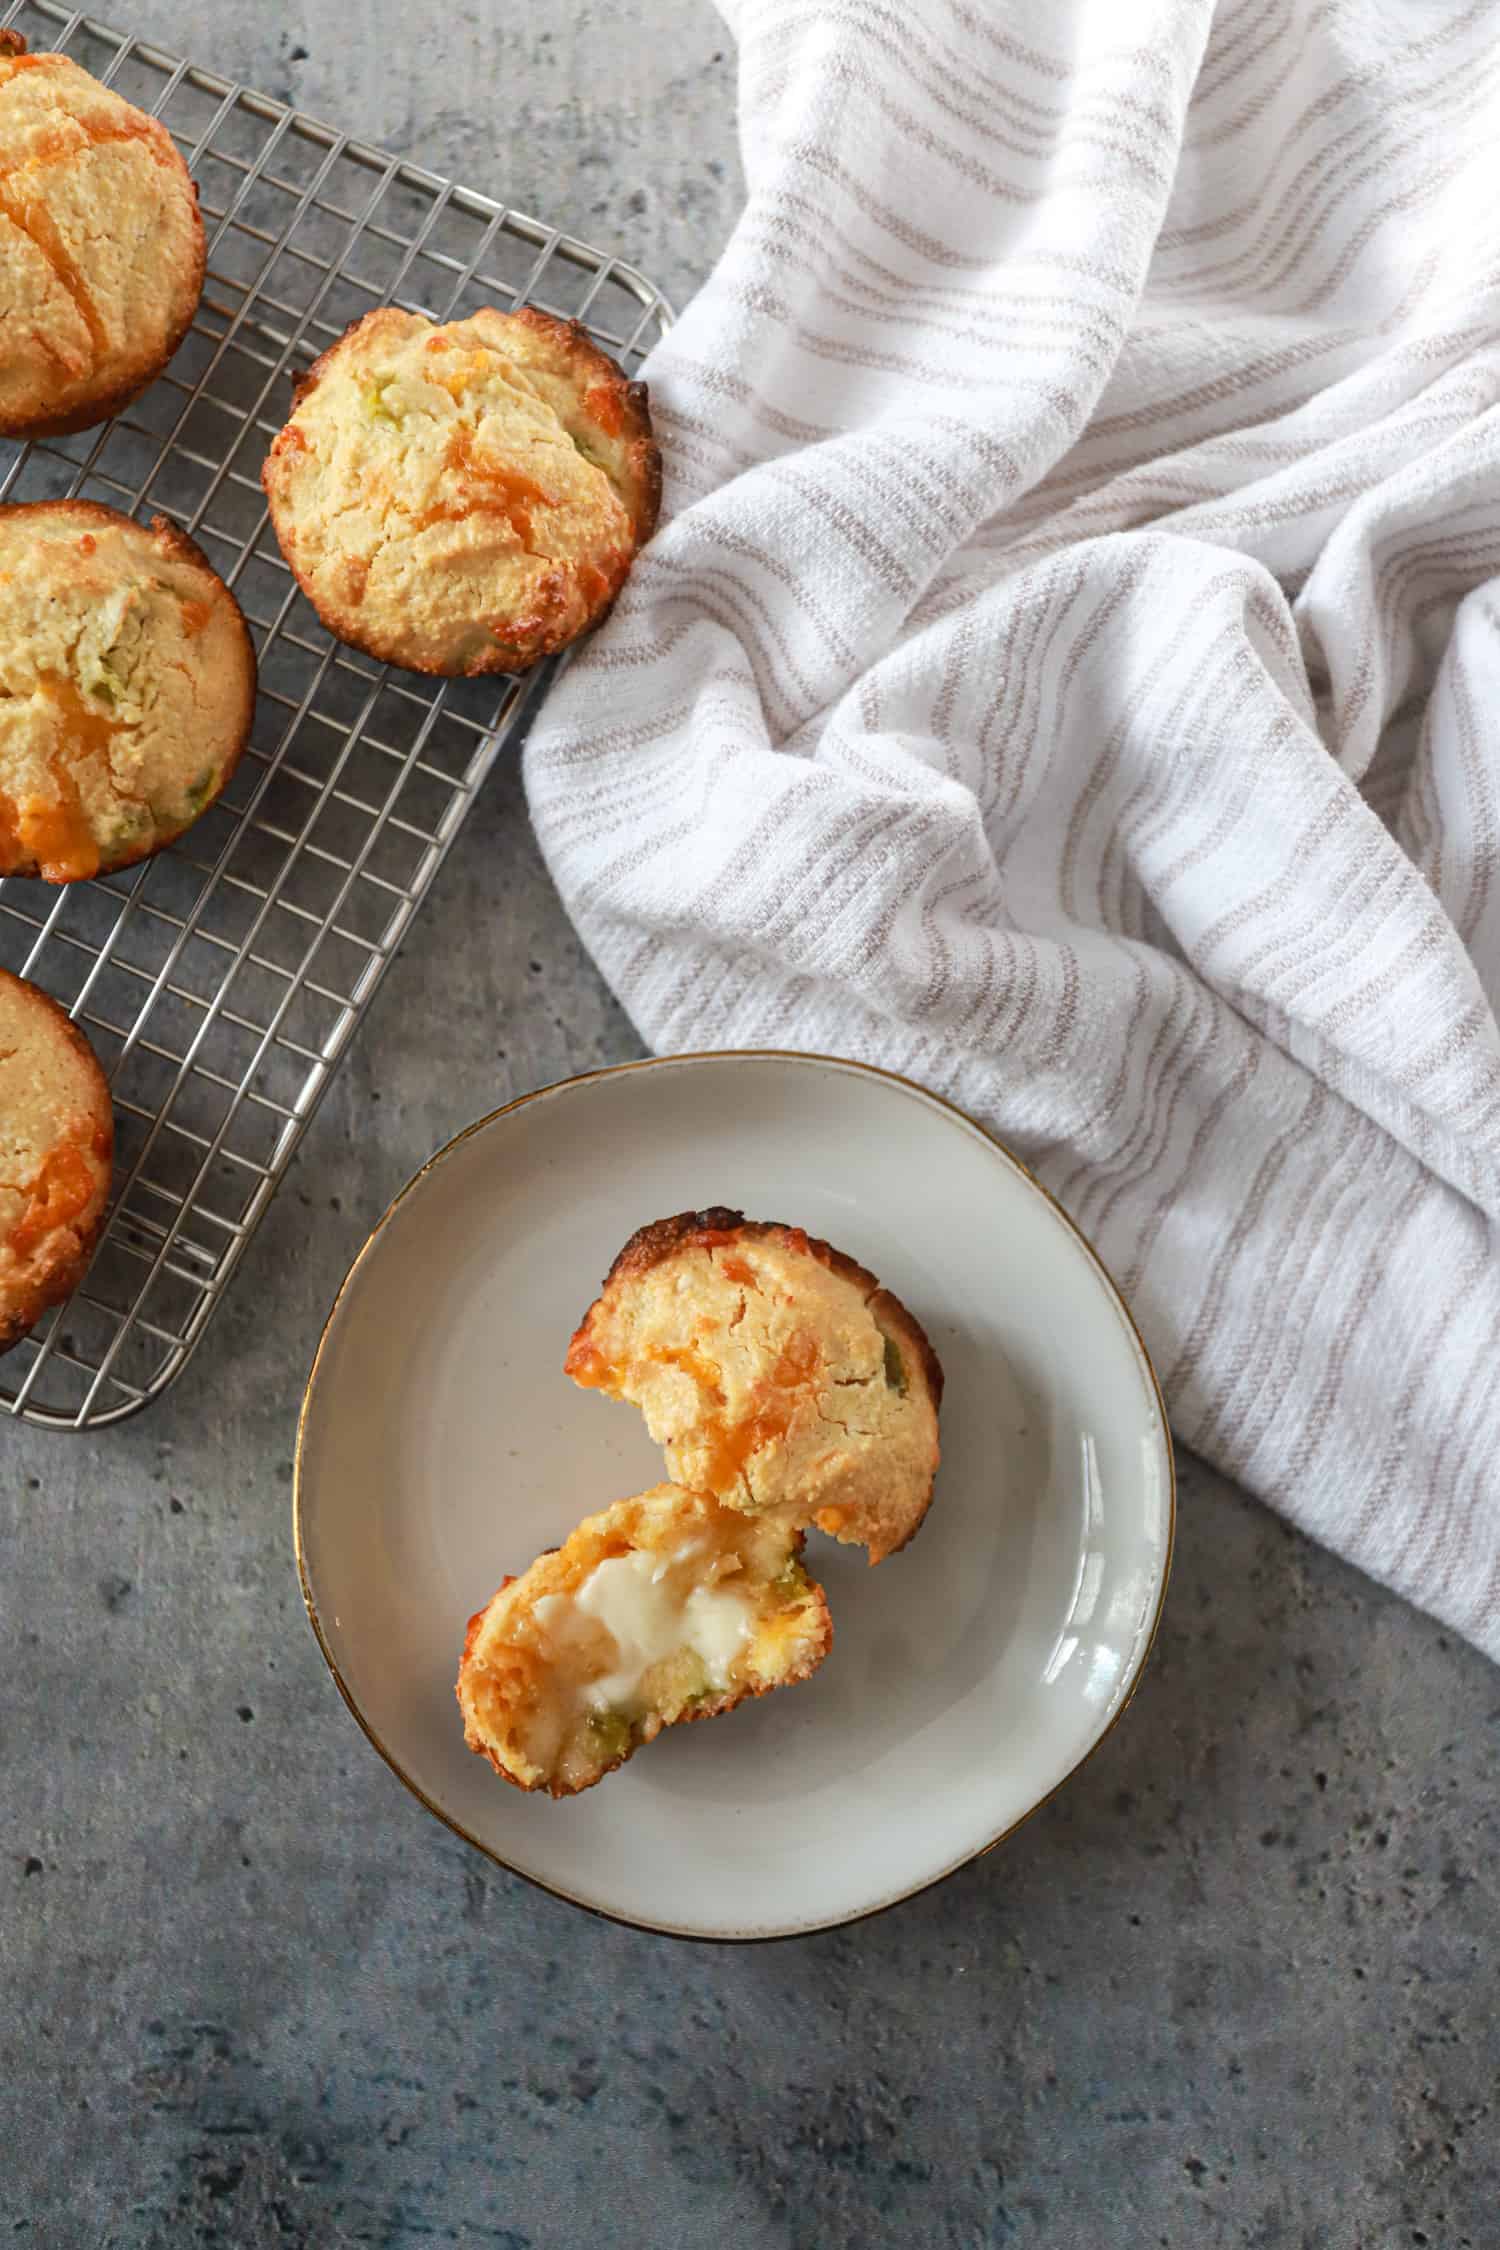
(127, 688)
(775, 1372)
(660, 1609)
(101, 246)
(56, 1146)
(463, 499)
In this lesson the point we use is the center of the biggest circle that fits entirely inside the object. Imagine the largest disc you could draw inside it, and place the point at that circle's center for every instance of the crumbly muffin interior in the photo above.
(125, 687)
(659, 1609)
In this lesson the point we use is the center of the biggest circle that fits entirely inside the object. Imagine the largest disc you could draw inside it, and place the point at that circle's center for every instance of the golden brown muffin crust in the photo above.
(56, 1148)
(465, 498)
(127, 687)
(719, 1227)
(101, 246)
(775, 1371)
(605, 403)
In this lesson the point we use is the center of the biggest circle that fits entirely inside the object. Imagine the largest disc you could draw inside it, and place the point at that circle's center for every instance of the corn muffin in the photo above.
(659, 1609)
(465, 499)
(127, 688)
(101, 246)
(776, 1373)
(56, 1142)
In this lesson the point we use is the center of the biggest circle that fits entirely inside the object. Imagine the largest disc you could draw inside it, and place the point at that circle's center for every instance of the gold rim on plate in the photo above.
(667, 1062)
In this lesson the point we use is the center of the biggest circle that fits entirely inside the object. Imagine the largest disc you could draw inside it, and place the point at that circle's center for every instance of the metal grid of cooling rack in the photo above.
(220, 983)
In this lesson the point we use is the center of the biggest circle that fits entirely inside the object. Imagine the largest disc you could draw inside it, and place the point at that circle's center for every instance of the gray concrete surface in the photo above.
(1234, 1986)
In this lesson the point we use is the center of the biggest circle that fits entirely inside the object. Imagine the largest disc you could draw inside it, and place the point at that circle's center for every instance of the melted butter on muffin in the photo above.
(660, 1609)
(56, 1139)
(463, 499)
(101, 246)
(127, 686)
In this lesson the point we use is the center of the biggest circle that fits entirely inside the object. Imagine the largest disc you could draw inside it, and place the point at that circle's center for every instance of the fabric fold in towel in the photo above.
(1069, 674)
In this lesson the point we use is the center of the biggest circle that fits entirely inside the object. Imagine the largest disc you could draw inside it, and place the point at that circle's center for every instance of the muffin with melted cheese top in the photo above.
(56, 1145)
(775, 1372)
(463, 499)
(659, 1609)
(101, 246)
(127, 688)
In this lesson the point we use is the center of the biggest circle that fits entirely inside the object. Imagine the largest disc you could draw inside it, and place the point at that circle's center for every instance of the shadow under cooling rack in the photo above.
(220, 983)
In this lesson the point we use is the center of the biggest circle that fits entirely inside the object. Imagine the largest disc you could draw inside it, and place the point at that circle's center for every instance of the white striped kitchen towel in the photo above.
(1069, 674)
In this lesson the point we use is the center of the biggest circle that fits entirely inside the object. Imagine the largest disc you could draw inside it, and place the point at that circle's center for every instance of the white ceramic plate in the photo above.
(442, 1446)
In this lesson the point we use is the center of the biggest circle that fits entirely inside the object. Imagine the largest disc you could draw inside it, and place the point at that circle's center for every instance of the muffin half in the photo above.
(659, 1609)
(127, 688)
(776, 1373)
(463, 499)
(56, 1146)
(101, 246)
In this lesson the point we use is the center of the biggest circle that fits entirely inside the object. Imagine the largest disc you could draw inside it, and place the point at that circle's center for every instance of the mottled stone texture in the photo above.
(1233, 1987)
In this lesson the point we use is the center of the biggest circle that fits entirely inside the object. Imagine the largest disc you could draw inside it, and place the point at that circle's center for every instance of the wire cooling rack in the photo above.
(220, 983)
